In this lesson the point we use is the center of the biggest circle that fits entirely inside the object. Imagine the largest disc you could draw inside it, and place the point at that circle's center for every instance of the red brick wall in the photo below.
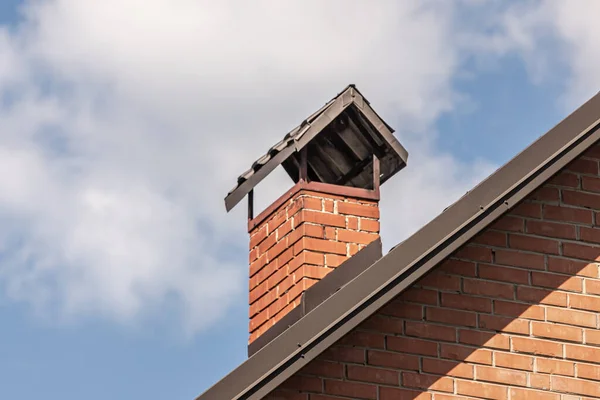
(513, 315)
(297, 244)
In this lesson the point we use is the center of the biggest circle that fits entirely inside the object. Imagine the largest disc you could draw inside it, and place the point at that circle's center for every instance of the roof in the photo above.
(387, 277)
(341, 139)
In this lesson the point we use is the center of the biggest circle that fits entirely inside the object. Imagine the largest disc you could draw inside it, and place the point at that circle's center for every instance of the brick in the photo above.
(571, 317)
(481, 390)
(484, 339)
(384, 324)
(344, 235)
(528, 394)
(465, 353)
(551, 229)
(351, 389)
(546, 194)
(267, 244)
(582, 302)
(514, 361)
(304, 383)
(458, 267)
(554, 331)
(373, 375)
(344, 354)
(441, 281)
(324, 368)
(393, 360)
(588, 234)
(257, 265)
(352, 223)
(277, 219)
(572, 267)
(568, 214)
(581, 199)
(284, 229)
(504, 274)
(320, 218)
(412, 346)
(312, 203)
(491, 238)
(310, 271)
(391, 393)
(504, 324)
(400, 309)
(257, 236)
(536, 346)
(328, 205)
(583, 353)
(583, 166)
(592, 337)
(451, 317)
(539, 381)
(429, 331)
(474, 253)
(513, 309)
(566, 179)
(257, 292)
(577, 386)
(364, 339)
(418, 295)
(334, 260)
(593, 152)
(531, 210)
(500, 375)
(581, 251)
(262, 303)
(359, 210)
(588, 371)
(449, 368)
(330, 233)
(489, 289)
(535, 244)
(557, 367)
(369, 225)
(324, 246)
(465, 302)
(592, 286)
(519, 259)
(556, 281)
(542, 296)
(509, 223)
(303, 258)
(430, 382)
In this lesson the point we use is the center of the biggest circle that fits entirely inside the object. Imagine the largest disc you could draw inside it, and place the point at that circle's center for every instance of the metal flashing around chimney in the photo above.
(340, 140)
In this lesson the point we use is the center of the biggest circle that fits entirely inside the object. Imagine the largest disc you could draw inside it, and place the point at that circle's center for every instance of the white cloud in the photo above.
(126, 122)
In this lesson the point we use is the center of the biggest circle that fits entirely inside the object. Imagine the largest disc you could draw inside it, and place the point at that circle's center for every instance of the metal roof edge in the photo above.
(410, 260)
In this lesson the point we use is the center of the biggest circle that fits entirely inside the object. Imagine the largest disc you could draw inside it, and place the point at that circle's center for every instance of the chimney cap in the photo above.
(341, 139)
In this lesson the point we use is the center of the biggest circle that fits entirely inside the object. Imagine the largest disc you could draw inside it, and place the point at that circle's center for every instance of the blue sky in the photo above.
(124, 126)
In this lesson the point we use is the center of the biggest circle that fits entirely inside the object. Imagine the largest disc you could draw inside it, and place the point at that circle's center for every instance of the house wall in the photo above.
(301, 240)
(512, 315)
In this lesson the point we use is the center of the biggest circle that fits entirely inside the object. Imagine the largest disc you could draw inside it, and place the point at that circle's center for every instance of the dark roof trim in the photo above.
(316, 294)
(304, 133)
(407, 262)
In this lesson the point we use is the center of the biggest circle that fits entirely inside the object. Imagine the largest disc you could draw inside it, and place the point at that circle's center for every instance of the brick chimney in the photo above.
(337, 159)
